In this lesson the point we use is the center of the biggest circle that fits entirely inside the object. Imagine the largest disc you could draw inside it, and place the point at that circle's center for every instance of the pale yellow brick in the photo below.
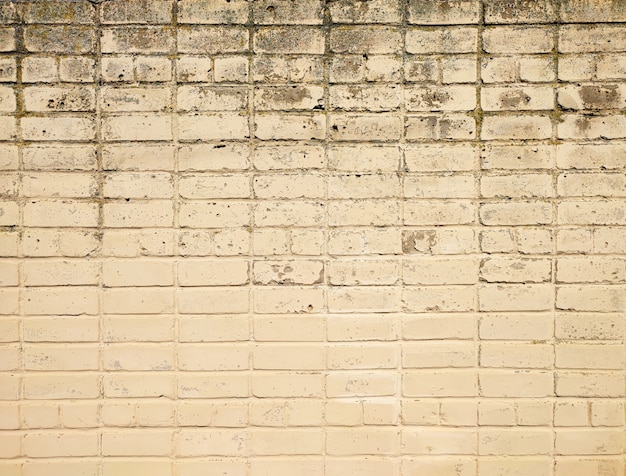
(281, 98)
(137, 443)
(10, 357)
(591, 269)
(363, 299)
(515, 270)
(211, 98)
(524, 356)
(439, 298)
(231, 69)
(496, 413)
(199, 468)
(288, 39)
(534, 413)
(601, 38)
(60, 357)
(449, 98)
(364, 240)
(288, 357)
(212, 329)
(518, 127)
(213, 126)
(222, 385)
(376, 212)
(308, 242)
(270, 241)
(362, 442)
(289, 213)
(439, 354)
(371, 272)
(571, 413)
(287, 385)
(598, 356)
(362, 356)
(590, 156)
(286, 442)
(439, 157)
(438, 326)
(589, 384)
(296, 299)
(574, 126)
(204, 272)
(292, 68)
(441, 40)
(439, 212)
(146, 300)
(287, 329)
(516, 186)
(583, 465)
(49, 444)
(518, 157)
(137, 328)
(360, 328)
(288, 272)
(359, 127)
(288, 186)
(574, 240)
(431, 186)
(360, 466)
(133, 357)
(155, 467)
(591, 185)
(435, 271)
(307, 466)
(213, 300)
(514, 466)
(9, 330)
(355, 186)
(514, 442)
(436, 441)
(589, 441)
(40, 415)
(590, 298)
(517, 213)
(420, 412)
(440, 241)
(516, 383)
(515, 326)
(61, 329)
(589, 326)
(10, 388)
(440, 383)
(607, 413)
(278, 157)
(359, 384)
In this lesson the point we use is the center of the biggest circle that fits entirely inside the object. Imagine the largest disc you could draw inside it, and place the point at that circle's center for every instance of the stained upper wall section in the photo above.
(311, 12)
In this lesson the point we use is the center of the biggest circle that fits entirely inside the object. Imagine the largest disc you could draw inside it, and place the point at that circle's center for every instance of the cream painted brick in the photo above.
(212, 39)
(514, 442)
(60, 386)
(578, 466)
(516, 98)
(362, 356)
(137, 185)
(448, 98)
(207, 157)
(49, 444)
(440, 383)
(61, 329)
(441, 40)
(496, 413)
(589, 326)
(363, 299)
(207, 11)
(274, 126)
(287, 385)
(288, 272)
(377, 127)
(516, 213)
(591, 441)
(591, 270)
(294, 39)
(517, 157)
(521, 270)
(376, 213)
(514, 39)
(288, 357)
(438, 212)
(280, 69)
(286, 442)
(362, 441)
(268, 300)
(379, 11)
(215, 357)
(590, 298)
(285, 157)
(600, 38)
(589, 384)
(214, 300)
(154, 467)
(288, 186)
(571, 413)
(440, 241)
(439, 354)
(197, 214)
(522, 326)
(198, 468)
(371, 272)
(438, 326)
(590, 185)
(130, 39)
(194, 272)
(608, 240)
(439, 157)
(435, 270)
(576, 126)
(137, 328)
(518, 127)
(288, 98)
(272, 213)
(516, 383)
(284, 329)
(137, 127)
(231, 69)
(128, 443)
(517, 186)
(599, 356)
(515, 297)
(607, 413)
(57, 128)
(436, 441)
(429, 186)
(526, 356)
(355, 98)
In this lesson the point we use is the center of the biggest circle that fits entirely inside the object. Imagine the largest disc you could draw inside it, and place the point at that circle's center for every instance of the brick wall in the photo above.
(280, 237)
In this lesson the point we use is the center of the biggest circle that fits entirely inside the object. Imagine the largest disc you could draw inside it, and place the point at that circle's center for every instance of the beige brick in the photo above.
(371, 272)
(439, 212)
(206, 11)
(61, 128)
(526, 356)
(514, 442)
(517, 127)
(441, 40)
(281, 69)
(269, 300)
(286, 442)
(439, 354)
(579, 466)
(379, 11)
(130, 443)
(289, 39)
(271, 213)
(589, 384)
(521, 270)
(288, 186)
(591, 185)
(439, 241)
(213, 300)
(590, 298)
(520, 11)
(156, 467)
(284, 157)
(137, 127)
(590, 270)
(59, 386)
(204, 157)
(516, 213)
(429, 186)
(521, 326)
(363, 299)
(202, 357)
(47, 444)
(289, 126)
(365, 39)
(363, 441)
(435, 441)
(601, 38)
(135, 11)
(440, 157)
(137, 185)
(132, 39)
(449, 98)
(288, 272)
(589, 441)
(285, 328)
(589, 326)
(440, 383)
(591, 127)
(581, 356)
(438, 326)
(516, 383)
(288, 98)
(197, 214)
(212, 39)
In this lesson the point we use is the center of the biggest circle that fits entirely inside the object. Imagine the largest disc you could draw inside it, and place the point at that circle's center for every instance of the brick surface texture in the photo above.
(313, 238)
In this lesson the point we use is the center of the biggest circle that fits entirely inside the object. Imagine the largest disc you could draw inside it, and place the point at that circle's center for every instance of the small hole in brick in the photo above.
(309, 307)
(270, 9)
